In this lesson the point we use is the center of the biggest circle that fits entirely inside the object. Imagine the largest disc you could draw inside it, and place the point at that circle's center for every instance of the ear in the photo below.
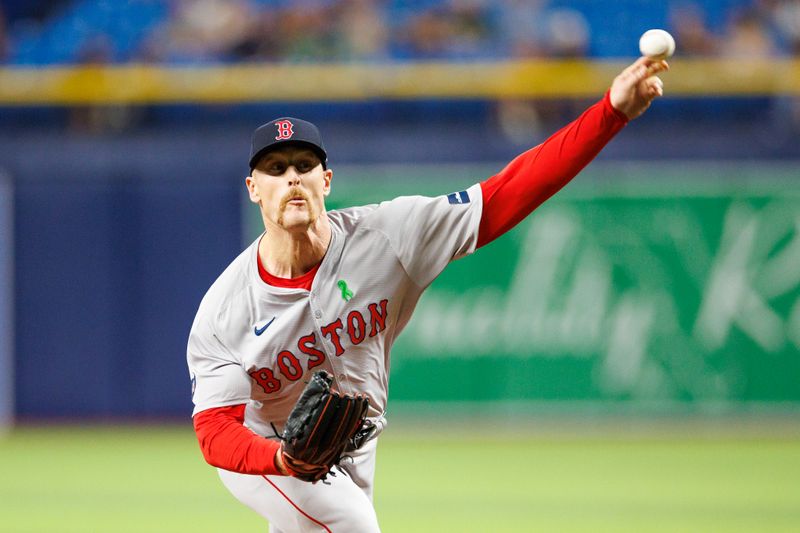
(252, 189)
(327, 177)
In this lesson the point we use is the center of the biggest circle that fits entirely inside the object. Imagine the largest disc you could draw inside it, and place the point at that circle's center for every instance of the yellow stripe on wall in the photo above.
(257, 82)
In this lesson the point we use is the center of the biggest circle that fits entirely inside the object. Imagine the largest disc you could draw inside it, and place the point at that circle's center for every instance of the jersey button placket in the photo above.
(312, 302)
(316, 312)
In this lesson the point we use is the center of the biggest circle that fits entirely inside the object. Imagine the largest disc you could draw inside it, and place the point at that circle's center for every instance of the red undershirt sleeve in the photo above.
(536, 175)
(226, 443)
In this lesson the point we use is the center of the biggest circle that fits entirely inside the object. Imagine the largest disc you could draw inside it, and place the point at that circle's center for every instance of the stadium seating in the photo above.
(121, 27)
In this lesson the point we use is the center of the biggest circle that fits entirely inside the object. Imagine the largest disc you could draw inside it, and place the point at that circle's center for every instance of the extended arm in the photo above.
(536, 175)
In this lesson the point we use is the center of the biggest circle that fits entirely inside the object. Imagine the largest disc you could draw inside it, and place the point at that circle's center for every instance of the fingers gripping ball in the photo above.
(320, 428)
(656, 44)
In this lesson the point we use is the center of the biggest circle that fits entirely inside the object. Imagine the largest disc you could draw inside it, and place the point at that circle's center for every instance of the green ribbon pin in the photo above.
(346, 293)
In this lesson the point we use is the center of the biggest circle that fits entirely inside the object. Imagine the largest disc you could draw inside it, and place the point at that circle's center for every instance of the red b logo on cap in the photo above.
(284, 130)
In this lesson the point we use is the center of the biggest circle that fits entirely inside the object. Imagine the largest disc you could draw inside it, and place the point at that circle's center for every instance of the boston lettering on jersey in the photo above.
(357, 326)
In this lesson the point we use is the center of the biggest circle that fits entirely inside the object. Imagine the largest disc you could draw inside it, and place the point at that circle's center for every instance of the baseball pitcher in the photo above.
(289, 352)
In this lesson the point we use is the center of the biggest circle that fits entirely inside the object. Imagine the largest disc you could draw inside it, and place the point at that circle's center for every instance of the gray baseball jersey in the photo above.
(256, 344)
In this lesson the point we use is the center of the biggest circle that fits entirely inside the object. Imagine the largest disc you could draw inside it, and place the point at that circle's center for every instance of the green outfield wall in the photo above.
(678, 292)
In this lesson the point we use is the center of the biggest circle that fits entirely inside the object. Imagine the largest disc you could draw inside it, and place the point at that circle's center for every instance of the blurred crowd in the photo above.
(363, 30)
(3, 37)
(764, 28)
(227, 31)
(180, 31)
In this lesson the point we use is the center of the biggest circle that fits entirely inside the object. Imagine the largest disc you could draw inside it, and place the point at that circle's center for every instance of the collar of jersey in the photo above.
(334, 250)
(300, 282)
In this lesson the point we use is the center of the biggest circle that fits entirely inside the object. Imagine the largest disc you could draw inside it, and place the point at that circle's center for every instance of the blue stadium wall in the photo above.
(114, 250)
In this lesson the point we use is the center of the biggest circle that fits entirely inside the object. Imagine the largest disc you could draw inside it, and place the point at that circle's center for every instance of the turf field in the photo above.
(152, 479)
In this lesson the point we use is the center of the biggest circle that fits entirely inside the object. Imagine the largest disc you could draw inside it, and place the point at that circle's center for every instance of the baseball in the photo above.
(657, 44)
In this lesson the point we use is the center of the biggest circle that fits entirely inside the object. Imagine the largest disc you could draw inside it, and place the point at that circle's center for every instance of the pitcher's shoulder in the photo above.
(229, 285)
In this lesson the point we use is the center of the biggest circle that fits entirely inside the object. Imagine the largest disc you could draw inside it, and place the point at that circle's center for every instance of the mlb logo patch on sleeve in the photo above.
(458, 197)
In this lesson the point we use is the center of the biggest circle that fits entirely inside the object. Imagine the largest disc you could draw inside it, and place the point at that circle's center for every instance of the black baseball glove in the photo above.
(322, 425)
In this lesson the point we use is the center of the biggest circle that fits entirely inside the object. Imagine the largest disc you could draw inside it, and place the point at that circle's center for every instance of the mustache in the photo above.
(294, 192)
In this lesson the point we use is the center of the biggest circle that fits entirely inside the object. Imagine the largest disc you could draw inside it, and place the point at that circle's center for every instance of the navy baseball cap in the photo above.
(286, 130)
